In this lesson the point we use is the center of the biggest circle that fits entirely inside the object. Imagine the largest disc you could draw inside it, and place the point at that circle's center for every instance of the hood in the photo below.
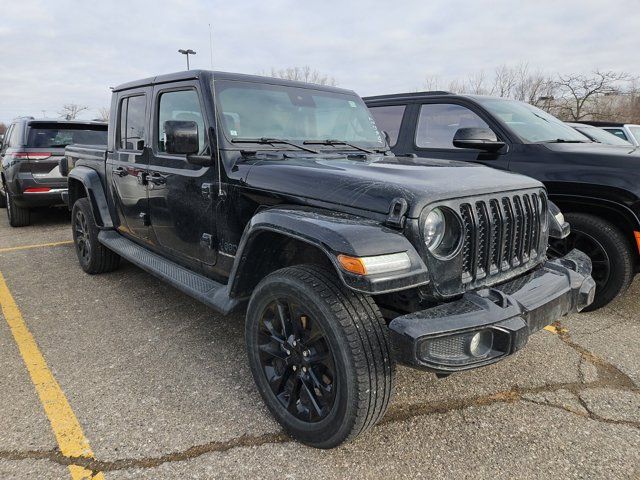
(596, 151)
(372, 185)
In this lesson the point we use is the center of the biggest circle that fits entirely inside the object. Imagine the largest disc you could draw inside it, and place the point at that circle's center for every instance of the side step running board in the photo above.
(208, 291)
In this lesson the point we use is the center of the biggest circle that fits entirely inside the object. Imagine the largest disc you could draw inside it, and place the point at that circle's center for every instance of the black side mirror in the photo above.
(181, 137)
(477, 138)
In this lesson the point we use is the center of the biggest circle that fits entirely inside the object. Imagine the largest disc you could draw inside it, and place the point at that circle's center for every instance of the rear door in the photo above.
(181, 211)
(128, 164)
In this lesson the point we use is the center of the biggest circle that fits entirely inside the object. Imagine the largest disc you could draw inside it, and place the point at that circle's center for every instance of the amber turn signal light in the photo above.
(352, 264)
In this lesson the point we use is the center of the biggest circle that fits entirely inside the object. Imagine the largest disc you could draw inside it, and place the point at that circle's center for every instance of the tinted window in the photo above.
(183, 105)
(438, 123)
(618, 132)
(14, 138)
(132, 121)
(56, 135)
(389, 119)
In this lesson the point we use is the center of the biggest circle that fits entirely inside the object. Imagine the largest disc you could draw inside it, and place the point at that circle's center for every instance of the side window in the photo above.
(7, 136)
(438, 124)
(618, 132)
(389, 119)
(14, 138)
(180, 105)
(132, 120)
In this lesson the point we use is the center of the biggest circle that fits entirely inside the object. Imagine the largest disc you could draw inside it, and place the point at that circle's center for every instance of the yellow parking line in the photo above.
(39, 245)
(64, 423)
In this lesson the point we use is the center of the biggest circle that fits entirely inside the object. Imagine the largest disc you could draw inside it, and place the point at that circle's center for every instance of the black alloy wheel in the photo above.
(296, 360)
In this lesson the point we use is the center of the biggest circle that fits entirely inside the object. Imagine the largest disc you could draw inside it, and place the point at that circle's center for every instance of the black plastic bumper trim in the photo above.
(516, 308)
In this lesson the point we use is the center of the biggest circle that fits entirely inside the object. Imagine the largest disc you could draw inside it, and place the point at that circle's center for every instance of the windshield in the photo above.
(602, 136)
(52, 135)
(530, 123)
(255, 110)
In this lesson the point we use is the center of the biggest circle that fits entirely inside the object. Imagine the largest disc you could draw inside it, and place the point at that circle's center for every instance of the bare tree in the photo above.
(103, 114)
(70, 111)
(580, 96)
(303, 74)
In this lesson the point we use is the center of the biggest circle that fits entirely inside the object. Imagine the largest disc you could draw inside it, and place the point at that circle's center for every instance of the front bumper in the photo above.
(487, 325)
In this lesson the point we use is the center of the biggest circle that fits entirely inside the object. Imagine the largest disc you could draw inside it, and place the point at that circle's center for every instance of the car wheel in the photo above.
(3, 199)
(92, 255)
(610, 253)
(18, 216)
(320, 355)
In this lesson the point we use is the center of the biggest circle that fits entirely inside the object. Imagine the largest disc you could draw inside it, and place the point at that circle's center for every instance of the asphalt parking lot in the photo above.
(151, 384)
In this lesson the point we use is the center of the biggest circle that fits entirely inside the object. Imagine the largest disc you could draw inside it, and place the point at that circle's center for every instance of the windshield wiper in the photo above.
(564, 140)
(337, 142)
(271, 141)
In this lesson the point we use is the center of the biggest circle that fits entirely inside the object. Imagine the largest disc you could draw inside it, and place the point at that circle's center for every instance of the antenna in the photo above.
(216, 123)
(210, 48)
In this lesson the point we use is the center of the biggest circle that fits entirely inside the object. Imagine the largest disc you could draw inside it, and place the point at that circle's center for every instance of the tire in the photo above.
(18, 216)
(610, 252)
(3, 199)
(342, 327)
(92, 255)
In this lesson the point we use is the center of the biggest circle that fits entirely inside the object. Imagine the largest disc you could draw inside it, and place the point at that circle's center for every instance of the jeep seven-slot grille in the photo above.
(499, 234)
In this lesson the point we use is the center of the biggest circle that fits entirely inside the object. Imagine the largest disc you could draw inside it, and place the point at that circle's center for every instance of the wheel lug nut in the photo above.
(295, 368)
(304, 369)
(294, 343)
(305, 353)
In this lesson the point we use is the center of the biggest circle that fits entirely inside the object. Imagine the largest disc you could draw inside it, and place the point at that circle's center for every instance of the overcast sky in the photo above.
(63, 51)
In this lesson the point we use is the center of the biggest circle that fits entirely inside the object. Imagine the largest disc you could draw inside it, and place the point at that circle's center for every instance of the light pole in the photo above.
(187, 53)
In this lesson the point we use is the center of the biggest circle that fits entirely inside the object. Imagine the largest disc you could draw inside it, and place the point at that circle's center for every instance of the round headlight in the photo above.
(442, 232)
(434, 228)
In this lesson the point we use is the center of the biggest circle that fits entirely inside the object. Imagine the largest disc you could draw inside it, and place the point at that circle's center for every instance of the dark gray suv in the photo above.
(29, 162)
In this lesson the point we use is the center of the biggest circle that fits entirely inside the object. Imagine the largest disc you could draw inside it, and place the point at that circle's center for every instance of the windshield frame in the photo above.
(572, 135)
(240, 143)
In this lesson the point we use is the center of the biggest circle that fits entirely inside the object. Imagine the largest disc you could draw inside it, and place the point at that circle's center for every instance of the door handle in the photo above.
(120, 172)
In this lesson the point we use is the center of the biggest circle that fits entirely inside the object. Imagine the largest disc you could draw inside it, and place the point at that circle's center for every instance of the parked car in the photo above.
(596, 186)
(599, 135)
(625, 131)
(346, 257)
(29, 162)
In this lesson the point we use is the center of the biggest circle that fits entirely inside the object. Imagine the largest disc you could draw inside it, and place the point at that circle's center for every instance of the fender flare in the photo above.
(95, 192)
(332, 233)
(583, 200)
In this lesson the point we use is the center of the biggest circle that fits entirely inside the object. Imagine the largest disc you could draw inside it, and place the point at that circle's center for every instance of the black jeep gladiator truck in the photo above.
(29, 162)
(596, 186)
(283, 199)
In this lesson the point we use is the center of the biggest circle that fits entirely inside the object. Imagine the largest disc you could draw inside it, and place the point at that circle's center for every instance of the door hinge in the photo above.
(397, 212)
(207, 190)
(207, 240)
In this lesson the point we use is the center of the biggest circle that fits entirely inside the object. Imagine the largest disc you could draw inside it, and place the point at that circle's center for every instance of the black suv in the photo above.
(282, 199)
(29, 162)
(596, 186)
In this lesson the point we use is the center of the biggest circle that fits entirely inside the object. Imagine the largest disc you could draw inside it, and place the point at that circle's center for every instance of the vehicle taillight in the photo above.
(37, 190)
(32, 155)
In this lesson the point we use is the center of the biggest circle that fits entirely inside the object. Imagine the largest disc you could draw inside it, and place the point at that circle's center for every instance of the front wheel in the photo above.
(611, 255)
(320, 355)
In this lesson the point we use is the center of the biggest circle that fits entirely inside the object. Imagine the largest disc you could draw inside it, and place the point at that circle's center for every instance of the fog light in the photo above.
(481, 343)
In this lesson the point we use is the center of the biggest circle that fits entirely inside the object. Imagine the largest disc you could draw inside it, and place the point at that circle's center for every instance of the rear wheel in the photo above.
(92, 255)
(319, 354)
(610, 253)
(18, 216)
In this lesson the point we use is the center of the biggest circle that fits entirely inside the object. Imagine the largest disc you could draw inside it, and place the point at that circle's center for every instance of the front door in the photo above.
(180, 202)
(435, 126)
(127, 166)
